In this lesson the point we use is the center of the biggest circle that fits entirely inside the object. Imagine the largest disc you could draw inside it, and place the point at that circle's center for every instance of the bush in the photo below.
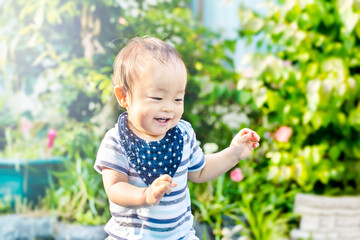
(307, 78)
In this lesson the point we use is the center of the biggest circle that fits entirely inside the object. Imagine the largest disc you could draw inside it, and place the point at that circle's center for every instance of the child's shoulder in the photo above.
(185, 126)
(112, 134)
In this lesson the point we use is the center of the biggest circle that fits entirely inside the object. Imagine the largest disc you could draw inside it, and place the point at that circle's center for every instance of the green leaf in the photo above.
(243, 96)
(274, 101)
(260, 96)
(347, 15)
(307, 117)
(312, 69)
(312, 94)
(334, 152)
(354, 118)
(317, 121)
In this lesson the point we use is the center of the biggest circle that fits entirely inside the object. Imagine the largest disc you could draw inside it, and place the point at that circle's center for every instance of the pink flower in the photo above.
(26, 126)
(122, 21)
(248, 72)
(51, 137)
(283, 134)
(236, 175)
(287, 63)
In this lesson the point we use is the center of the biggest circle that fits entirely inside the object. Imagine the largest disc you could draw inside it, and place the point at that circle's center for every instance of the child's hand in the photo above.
(244, 143)
(158, 188)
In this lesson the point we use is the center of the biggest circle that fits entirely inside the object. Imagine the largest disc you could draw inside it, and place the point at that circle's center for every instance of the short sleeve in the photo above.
(197, 158)
(110, 154)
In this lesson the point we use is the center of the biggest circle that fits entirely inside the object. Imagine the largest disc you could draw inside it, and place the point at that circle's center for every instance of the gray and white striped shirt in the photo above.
(172, 217)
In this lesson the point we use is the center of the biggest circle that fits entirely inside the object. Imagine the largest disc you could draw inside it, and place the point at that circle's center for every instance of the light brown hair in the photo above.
(137, 52)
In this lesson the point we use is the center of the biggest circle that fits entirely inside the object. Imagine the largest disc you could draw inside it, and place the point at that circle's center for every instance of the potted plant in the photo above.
(26, 162)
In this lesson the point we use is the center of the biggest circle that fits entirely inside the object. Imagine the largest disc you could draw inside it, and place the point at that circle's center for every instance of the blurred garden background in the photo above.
(288, 69)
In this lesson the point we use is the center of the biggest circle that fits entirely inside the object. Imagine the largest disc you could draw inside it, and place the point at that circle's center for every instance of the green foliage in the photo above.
(21, 145)
(56, 60)
(50, 63)
(77, 194)
(48, 66)
(263, 208)
(266, 207)
(307, 78)
(45, 75)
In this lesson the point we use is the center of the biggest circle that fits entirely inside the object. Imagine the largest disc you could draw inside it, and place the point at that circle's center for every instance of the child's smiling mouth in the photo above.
(162, 120)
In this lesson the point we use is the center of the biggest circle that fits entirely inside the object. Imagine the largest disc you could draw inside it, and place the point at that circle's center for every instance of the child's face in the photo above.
(157, 101)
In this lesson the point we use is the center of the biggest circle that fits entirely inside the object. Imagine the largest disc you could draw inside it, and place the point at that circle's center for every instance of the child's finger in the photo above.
(160, 180)
(165, 188)
(247, 135)
(244, 138)
(162, 185)
(244, 131)
(255, 144)
(158, 193)
(255, 136)
(168, 185)
(165, 177)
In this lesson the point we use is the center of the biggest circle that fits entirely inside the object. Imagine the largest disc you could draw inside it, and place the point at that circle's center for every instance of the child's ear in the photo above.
(120, 94)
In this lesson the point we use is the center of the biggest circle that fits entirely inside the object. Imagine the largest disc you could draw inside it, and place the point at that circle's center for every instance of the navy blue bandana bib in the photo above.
(151, 159)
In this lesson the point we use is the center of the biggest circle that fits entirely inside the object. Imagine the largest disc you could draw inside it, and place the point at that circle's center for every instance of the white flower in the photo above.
(176, 40)
(234, 120)
(210, 148)
(273, 172)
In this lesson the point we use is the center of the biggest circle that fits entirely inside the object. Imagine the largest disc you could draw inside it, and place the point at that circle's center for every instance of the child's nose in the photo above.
(167, 108)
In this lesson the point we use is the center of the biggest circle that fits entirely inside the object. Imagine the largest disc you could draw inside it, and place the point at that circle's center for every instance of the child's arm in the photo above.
(219, 163)
(121, 192)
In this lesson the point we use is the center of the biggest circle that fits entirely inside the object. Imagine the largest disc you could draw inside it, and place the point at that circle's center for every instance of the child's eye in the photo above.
(178, 100)
(156, 98)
